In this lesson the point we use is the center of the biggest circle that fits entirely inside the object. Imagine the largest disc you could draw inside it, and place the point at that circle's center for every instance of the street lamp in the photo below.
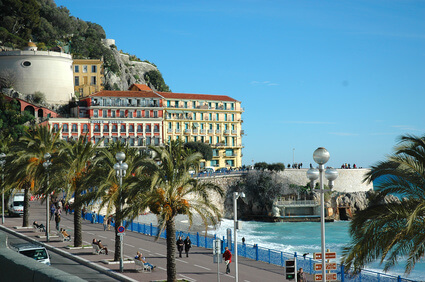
(321, 156)
(46, 165)
(2, 163)
(121, 169)
(236, 195)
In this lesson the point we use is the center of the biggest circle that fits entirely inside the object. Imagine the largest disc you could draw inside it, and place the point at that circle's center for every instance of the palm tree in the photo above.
(109, 191)
(172, 191)
(390, 230)
(77, 162)
(26, 169)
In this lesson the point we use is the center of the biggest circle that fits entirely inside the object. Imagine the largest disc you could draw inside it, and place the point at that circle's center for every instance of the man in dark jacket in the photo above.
(180, 245)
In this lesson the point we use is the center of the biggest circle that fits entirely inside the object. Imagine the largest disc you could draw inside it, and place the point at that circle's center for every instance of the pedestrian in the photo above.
(57, 220)
(243, 240)
(301, 276)
(227, 255)
(180, 245)
(187, 245)
(52, 211)
(109, 222)
(105, 223)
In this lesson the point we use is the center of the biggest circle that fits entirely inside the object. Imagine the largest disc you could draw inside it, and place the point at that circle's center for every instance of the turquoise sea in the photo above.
(304, 237)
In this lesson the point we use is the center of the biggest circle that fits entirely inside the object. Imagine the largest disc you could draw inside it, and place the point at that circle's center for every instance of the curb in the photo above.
(83, 261)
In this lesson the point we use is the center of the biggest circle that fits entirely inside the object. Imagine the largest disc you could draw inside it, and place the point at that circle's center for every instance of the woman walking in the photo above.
(187, 245)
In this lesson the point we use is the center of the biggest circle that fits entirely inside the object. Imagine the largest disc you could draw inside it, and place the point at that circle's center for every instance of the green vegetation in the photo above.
(397, 228)
(12, 121)
(205, 149)
(270, 167)
(154, 77)
(39, 97)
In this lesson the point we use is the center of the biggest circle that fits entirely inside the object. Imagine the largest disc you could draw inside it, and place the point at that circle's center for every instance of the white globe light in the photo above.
(312, 174)
(120, 156)
(331, 174)
(321, 155)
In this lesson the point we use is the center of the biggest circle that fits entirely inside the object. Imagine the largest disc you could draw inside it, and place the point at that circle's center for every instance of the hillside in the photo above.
(49, 26)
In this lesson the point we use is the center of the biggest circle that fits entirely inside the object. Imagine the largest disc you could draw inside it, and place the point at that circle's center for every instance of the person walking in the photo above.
(180, 245)
(187, 245)
(227, 255)
(52, 211)
(57, 220)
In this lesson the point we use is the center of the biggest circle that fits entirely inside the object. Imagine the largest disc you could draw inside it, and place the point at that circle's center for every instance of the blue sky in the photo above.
(345, 75)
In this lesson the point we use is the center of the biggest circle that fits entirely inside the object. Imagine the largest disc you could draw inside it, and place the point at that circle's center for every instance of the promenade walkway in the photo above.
(198, 266)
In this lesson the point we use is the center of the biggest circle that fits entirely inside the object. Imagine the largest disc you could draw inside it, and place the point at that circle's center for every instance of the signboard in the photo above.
(329, 266)
(330, 255)
(121, 229)
(329, 277)
(217, 246)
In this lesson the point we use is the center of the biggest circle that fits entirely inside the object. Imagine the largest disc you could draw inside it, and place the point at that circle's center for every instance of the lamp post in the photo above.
(121, 168)
(2, 163)
(46, 165)
(236, 195)
(321, 156)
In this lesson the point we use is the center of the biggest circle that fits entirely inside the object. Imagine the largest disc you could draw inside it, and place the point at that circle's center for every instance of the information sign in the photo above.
(329, 277)
(329, 266)
(330, 255)
(121, 229)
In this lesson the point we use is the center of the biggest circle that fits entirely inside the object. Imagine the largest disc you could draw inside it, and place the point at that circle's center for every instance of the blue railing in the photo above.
(255, 252)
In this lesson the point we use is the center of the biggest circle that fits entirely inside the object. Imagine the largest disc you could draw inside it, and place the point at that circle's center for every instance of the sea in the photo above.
(304, 237)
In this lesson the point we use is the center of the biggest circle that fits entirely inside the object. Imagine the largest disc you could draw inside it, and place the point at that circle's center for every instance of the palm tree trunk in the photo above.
(171, 250)
(78, 238)
(117, 238)
(26, 208)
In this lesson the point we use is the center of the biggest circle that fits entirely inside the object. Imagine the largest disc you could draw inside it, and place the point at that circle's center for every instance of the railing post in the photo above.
(256, 251)
(206, 242)
(399, 279)
(342, 273)
(151, 230)
(270, 256)
(197, 239)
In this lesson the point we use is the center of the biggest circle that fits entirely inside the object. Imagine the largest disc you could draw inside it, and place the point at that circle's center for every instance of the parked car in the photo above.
(34, 251)
(16, 204)
(222, 170)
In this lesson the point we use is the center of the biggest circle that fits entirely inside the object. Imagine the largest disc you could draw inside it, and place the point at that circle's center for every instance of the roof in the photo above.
(135, 94)
(169, 95)
(140, 87)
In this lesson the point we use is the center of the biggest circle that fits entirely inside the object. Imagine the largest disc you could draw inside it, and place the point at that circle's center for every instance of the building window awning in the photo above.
(195, 124)
(174, 112)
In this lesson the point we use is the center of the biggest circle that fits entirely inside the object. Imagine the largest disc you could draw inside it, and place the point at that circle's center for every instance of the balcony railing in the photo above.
(195, 131)
(202, 131)
(210, 131)
(218, 131)
(178, 130)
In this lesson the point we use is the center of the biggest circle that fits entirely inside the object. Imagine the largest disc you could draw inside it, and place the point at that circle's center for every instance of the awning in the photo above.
(195, 124)
(174, 112)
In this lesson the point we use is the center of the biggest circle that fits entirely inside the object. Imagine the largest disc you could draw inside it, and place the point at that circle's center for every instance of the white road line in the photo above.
(144, 250)
(162, 268)
(206, 268)
(160, 255)
(181, 260)
(246, 281)
(90, 233)
(102, 236)
(129, 245)
(188, 278)
(230, 275)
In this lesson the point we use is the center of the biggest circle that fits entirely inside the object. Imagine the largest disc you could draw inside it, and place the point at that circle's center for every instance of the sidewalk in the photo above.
(198, 266)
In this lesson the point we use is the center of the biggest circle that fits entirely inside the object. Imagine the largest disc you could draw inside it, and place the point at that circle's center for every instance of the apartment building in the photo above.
(88, 76)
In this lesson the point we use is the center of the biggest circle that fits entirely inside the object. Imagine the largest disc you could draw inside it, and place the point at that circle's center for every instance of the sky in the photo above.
(345, 75)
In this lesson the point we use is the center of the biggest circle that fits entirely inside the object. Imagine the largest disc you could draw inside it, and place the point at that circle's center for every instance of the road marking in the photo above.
(230, 275)
(182, 260)
(188, 278)
(102, 237)
(129, 245)
(202, 267)
(90, 233)
(160, 254)
(161, 268)
(144, 250)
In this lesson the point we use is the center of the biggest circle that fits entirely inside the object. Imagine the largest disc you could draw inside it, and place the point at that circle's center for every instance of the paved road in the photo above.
(198, 266)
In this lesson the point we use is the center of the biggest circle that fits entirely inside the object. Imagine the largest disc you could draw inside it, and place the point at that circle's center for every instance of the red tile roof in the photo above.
(169, 95)
(140, 87)
(112, 93)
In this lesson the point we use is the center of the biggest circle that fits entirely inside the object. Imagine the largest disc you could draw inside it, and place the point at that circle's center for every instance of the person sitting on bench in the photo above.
(140, 257)
(99, 243)
(65, 235)
(39, 226)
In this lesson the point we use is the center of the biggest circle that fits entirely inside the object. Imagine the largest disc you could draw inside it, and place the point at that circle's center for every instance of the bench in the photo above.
(97, 250)
(39, 227)
(140, 266)
(63, 238)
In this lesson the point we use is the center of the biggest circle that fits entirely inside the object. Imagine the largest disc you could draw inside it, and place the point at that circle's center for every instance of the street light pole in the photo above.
(46, 165)
(2, 163)
(321, 156)
(121, 168)
(236, 195)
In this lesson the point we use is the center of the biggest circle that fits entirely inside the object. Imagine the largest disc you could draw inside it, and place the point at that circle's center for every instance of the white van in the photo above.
(34, 251)
(16, 204)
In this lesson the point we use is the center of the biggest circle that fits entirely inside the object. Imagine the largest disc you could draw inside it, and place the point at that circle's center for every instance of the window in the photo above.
(105, 113)
(105, 128)
(140, 142)
(217, 126)
(148, 141)
(233, 117)
(147, 114)
(214, 163)
(96, 128)
(131, 128)
(168, 104)
(93, 80)
(85, 128)
(113, 113)
(216, 117)
(229, 152)
(225, 117)
(93, 68)
(139, 128)
(209, 105)
(232, 107)
(210, 116)
(156, 128)
(76, 68)
(155, 114)
(65, 128)
(194, 116)
(185, 104)
(225, 106)
(139, 114)
(186, 139)
(76, 81)
(114, 128)
(85, 68)
(216, 105)
(96, 113)
(56, 127)
(122, 114)
(131, 141)
(202, 116)
(148, 128)
(210, 140)
(176, 104)
(211, 126)
(106, 142)
(74, 128)
(194, 104)
(122, 128)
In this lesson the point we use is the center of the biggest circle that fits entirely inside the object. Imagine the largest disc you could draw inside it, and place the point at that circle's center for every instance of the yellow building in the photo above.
(88, 76)
(211, 119)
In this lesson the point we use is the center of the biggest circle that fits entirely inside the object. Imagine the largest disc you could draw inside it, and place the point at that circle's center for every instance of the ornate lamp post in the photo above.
(46, 165)
(321, 156)
(2, 163)
(121, 168)
(236, 195)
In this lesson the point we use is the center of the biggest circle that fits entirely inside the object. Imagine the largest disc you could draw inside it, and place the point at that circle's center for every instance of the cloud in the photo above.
(266, 83)
(405, 127)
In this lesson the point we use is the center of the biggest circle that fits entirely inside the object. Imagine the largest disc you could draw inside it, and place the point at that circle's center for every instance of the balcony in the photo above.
(218, 131)
(187, 131)
(202, 131)
(169, 130)
(178, 130)
(227, 132)
(242, 132)
(234, 131)
(195, 131)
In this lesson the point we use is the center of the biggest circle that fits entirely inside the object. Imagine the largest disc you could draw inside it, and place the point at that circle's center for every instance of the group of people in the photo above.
(348, 166)
(186, 244)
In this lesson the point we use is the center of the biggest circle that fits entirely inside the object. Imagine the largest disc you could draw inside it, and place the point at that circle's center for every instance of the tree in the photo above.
(26, 169)
(155, 80)
(11, 119)
(109, 191)
(172, 191)
(261, 166)
(202, 148)
(397, 228)
(76, 163)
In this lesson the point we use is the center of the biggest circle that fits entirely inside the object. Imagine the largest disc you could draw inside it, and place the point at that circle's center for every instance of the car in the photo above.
(222, 170)
(34, 251)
